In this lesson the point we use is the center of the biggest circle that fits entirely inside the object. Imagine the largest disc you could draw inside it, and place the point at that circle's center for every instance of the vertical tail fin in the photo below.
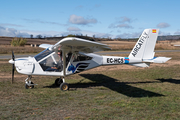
(144, 48)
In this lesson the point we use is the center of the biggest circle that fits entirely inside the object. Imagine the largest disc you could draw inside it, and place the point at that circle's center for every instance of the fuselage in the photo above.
(43, 63)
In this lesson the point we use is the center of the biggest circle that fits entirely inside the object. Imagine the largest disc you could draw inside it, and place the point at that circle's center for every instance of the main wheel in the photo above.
(58, 82)
(29, 86)
(64, 87)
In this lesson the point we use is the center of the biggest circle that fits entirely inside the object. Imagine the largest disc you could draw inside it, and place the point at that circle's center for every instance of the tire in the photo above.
(29, 87)
(64, 87)
(58, 82)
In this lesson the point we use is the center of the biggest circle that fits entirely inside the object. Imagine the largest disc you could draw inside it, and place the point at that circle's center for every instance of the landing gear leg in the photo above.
(64, 86)
(28, 83)
(58, 81)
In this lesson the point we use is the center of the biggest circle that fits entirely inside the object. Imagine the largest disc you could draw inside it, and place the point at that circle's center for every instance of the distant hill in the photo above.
(169, 37)
(160, 38)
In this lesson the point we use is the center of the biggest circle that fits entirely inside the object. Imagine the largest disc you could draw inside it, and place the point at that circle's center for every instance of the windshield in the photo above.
(42, 54)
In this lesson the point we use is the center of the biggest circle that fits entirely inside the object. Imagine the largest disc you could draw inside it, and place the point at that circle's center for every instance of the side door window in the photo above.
(54, 62)
(51, 63)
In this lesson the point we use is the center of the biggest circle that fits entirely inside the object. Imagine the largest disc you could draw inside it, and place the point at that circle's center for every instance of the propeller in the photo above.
(13, 58)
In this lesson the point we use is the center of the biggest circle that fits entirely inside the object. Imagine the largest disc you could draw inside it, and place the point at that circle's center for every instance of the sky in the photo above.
(101, 18)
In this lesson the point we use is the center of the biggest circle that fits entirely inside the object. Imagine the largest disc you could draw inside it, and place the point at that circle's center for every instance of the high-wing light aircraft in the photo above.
(73, 55)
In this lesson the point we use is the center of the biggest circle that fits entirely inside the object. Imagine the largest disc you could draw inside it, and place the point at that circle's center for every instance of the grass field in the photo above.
(107, 92)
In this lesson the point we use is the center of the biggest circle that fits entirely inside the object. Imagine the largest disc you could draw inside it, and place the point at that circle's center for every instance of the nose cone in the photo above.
(11, 61)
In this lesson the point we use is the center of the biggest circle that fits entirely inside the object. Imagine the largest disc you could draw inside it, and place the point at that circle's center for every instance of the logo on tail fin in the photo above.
(139, 44)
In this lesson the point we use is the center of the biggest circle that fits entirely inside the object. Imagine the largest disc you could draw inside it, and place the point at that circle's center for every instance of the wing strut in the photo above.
(64, 62)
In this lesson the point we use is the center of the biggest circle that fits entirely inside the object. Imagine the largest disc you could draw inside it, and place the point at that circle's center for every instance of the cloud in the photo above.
(79, 20)
(177, 32)
(73, 29)
(11, 32)
(44, 22)
(80, 7)
(124, 26)
(43, 33)
(161, 33)
(121, 26)
(95, 7)
(103, 35)
(122, 22)
(125, 19)
(129, 35)
(9, 24)
(163, 25)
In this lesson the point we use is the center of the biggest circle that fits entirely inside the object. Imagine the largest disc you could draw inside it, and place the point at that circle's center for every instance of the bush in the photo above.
(70, 35)
(18, 42)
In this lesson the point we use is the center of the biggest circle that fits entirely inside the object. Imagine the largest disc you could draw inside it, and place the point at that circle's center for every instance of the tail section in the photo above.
(144, 48)
(142, 54)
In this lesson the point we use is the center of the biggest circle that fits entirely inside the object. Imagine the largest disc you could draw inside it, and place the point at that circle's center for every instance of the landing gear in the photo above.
(62, 84)
(58, 81)
(28, 83)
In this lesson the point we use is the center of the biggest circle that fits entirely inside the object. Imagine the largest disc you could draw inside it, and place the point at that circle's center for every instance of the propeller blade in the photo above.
(12, 73)
(13, 55)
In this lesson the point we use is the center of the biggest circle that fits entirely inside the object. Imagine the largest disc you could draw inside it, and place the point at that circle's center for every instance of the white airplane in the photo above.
(73, 55)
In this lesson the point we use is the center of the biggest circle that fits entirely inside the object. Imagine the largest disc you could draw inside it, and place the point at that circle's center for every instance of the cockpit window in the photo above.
(54, 62)
(42, 54)
(80, 57)
(50, 62)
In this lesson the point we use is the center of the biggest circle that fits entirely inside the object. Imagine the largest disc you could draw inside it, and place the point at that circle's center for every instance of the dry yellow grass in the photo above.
(128, 45)
(119, 45)
(115, 45)
(7, 49)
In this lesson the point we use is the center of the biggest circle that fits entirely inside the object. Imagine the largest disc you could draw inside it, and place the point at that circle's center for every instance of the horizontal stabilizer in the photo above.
(157, 60)
(140, 64)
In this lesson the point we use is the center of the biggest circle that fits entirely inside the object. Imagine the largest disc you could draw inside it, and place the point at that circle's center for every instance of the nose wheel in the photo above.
(28, 83)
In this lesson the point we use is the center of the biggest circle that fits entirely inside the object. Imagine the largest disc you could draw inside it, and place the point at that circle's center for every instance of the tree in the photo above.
(31, 36)
(39, 36)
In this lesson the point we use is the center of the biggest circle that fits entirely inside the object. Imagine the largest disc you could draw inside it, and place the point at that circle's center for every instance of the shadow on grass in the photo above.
(113, 84)
(170, 80)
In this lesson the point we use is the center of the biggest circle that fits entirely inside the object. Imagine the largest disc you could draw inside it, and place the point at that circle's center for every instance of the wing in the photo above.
(45, 46)
(82, 45)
